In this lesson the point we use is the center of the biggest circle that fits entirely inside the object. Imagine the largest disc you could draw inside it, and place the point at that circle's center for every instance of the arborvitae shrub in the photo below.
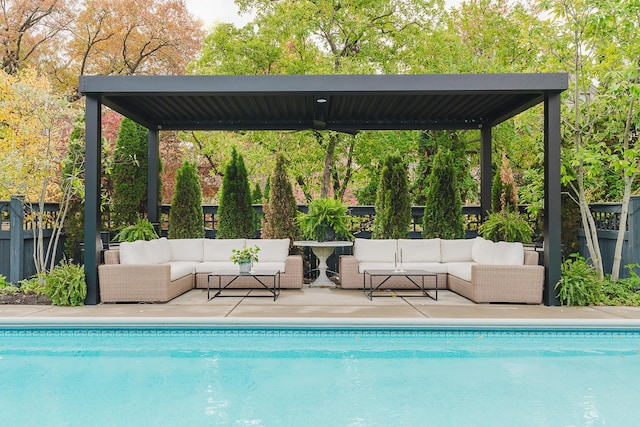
(504, 195)
(393, 203)
(236, 217)
(186, 219)
(443, 206)
(280, 212)
(256, 195)
(129, 174)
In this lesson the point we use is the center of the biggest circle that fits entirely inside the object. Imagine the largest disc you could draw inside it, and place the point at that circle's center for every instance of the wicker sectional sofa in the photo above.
(161, 269)
(478, 269)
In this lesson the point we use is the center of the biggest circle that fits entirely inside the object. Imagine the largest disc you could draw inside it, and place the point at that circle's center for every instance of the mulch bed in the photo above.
(21, 298)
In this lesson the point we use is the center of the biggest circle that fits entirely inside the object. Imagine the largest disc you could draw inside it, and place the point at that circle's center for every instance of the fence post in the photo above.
(633, 224)
(16, 236)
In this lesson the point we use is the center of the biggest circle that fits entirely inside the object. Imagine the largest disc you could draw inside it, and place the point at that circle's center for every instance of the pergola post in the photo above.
(552, 197)
(153, 172)
(92, 177)
(486, 173)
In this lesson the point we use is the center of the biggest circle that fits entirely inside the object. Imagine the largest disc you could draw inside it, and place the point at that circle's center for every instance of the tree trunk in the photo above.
(617, 254)
(328, 163)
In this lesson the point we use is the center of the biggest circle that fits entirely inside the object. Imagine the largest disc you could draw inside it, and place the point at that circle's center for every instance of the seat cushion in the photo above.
(483, 251)
(461, 270)
(375, 250)
(419, 250)
(431, 267)
(220, 249)
(268, 265)
(180, 269)
(362, 266)
(211, 267)
(456, 250)
(497, 253)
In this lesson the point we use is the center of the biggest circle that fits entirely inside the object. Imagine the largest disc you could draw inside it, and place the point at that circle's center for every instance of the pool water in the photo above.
(318, 377)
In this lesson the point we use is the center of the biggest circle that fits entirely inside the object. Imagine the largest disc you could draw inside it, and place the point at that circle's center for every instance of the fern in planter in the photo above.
(141, 230)
(65, 284)
(506, 226)
(325, 220)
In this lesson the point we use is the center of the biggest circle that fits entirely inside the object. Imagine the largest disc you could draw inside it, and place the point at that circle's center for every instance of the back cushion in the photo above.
(483, 251)
(220, 249)
(419, 250)
(134, 253)
(457, 250)
(497, 253)
(186, 249)
(271, 250)
(158, 251)
(374, 250)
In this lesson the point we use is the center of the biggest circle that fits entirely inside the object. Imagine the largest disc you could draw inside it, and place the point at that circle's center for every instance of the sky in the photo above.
(213, 11)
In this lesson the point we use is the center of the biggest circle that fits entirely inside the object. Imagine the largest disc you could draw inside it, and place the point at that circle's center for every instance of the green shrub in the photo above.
(33, 285)
(579, 284)
(625, 291)
(141, 230)
(236, 217)
(504, 194)
(186, 219)
(129, 173)
(393, 203)
(281, 210)
(506, 226)
(66, 285)
(256, 195)
(443, 206)
(7, 287)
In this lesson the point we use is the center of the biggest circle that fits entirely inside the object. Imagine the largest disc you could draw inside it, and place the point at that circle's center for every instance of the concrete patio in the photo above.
(322, 303)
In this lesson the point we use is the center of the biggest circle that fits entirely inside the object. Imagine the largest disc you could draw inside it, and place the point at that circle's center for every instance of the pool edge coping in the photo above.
(333, 323)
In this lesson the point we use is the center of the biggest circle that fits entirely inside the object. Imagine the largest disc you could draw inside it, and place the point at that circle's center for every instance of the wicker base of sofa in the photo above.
(498, 292)
(116, 288)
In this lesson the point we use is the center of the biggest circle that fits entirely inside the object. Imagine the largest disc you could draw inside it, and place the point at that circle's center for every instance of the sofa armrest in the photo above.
(508, 283)
(350, 277)
(112, 256)
(531, 257)
(293, 273)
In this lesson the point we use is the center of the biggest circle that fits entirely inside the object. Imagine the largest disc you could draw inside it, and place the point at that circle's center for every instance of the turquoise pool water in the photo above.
(318, 377)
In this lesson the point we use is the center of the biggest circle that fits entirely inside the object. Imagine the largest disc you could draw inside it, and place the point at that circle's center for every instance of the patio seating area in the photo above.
(322, 303)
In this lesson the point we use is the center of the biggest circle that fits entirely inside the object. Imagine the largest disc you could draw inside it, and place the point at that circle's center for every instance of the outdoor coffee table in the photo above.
(408, 274)
(272, 276)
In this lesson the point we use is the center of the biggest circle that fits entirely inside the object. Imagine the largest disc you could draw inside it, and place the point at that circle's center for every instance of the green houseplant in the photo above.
(325, 220)
(506, 226)
(245, 257)
(141, 230)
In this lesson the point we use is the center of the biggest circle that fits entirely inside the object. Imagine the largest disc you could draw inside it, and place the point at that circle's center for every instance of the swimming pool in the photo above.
(241, 375)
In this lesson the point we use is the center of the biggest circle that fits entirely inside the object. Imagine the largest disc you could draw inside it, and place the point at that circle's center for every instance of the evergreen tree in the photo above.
(504, 197)
(236, 217)
(186, 218)
(443, 206)
(280, 213)
(267, 189)
(393, 203)
(130, 174)
(256, 196)
(74, 221)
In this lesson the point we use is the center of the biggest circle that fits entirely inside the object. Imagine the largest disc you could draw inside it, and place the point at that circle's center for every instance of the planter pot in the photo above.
(244, 268)
(326, 234)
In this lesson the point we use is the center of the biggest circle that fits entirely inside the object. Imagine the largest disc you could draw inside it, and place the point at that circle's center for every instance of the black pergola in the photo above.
(346, 103)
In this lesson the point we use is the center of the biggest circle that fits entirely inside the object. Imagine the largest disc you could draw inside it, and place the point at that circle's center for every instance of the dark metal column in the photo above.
(92, 177)
(486, 173)
(552, 190)
(16, 239)
(153, 173)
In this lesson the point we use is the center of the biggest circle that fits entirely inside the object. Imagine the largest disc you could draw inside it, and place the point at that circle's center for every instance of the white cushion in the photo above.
(375, 250)
(212, 267)
(220, 249)
(181, 269)
(457, 250)
(419, 250)
(431, 267)
(375, 265)
(268, 265)
(271, 250)
(507, 253)
(158, 251)
(134, 253)
(483, 251)
(186, 249)
(461, 270)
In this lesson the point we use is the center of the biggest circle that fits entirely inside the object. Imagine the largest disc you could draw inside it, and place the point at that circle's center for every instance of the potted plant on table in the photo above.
(325, 220)
(245, 258)
(141, 230)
